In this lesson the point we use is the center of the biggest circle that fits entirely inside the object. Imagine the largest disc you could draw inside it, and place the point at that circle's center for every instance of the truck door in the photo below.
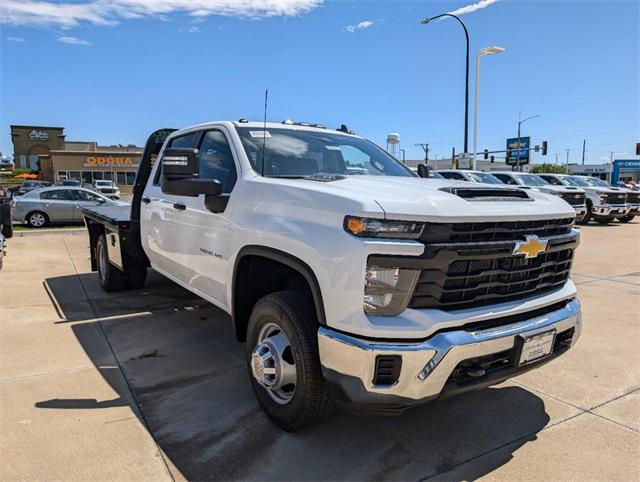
(165, 245)
(205, 223)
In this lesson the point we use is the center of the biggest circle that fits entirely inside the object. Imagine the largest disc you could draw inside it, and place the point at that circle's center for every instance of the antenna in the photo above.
(264, 125)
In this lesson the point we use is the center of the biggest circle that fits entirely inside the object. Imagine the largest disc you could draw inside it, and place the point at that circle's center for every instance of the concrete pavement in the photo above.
(151, 385)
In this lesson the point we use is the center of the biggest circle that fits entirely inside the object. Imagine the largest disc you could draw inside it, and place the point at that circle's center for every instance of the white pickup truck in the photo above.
(349, 278)
(604, 202)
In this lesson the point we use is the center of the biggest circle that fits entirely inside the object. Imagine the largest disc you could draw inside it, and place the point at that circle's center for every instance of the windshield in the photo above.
(594, 181)
(575, 181)
(532, 180)
(484, 177)
(302, 153)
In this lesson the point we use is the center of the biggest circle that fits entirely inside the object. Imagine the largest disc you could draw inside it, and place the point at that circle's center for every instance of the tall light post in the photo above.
(481, 53)
(466, 91)
(520, 122)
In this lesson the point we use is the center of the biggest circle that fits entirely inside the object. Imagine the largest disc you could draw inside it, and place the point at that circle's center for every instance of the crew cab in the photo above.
(469, 176)
(349, 278)
(604, 203)
(574, 196)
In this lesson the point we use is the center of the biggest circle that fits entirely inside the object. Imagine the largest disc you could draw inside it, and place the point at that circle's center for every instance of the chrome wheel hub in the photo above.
(272, 363)
(37, 220)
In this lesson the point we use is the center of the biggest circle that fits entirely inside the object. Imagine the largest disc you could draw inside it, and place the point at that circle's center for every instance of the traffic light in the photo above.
(493, 158)
(637, 148)
(544, 148)
(486, 154)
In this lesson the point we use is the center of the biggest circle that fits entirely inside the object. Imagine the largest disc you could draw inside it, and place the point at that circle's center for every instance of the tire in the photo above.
(585, 219)
(110, 278)
(134, 278)
(290, 314)
(37, 219)
(626, 218)
(604, 219)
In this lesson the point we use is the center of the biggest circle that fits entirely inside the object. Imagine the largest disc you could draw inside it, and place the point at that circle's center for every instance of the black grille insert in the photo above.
(575, 199)
(618, 198)
(487, 194)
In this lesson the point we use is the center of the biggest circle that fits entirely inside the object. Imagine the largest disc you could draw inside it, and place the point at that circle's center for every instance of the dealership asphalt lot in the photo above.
(150, 384)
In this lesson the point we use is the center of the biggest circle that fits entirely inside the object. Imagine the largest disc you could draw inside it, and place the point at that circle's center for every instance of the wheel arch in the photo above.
(240, 314)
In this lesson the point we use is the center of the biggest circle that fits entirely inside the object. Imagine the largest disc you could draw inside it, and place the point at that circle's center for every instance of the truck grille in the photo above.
(633, 198)
(575, 199)
(476, 266)
(618, 198)
(106, 190)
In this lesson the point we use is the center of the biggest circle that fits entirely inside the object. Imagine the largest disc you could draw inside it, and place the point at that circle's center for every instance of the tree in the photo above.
(550, 169)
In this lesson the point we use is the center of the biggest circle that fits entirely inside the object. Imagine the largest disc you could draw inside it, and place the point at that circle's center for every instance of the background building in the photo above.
(46, 150)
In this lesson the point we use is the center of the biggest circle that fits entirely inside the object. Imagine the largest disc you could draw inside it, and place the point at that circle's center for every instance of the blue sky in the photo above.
(115, 71)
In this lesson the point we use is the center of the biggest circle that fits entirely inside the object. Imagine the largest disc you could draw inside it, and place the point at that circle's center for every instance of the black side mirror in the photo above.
(180, 171)
(424, 170)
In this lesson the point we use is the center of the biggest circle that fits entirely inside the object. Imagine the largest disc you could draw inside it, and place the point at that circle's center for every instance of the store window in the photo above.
(62, 176)
(75, 175)
(97, 175)
(121, 178)
(86, 177)
(108, 176)
(131, 178)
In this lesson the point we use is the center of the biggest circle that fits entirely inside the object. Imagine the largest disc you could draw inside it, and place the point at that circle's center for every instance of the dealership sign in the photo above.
(39, 135)
(518, 150)
(94, 161)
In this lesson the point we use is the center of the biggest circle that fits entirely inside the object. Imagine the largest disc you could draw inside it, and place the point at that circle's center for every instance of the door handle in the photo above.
(179, 206)
(146, 200)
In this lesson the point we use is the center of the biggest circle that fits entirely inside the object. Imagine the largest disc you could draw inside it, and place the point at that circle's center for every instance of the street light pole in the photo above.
(481, 53)
(520, 122)
(466, 91)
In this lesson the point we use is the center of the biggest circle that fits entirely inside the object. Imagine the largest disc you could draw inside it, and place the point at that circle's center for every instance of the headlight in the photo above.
(382, 228)
(387, 290)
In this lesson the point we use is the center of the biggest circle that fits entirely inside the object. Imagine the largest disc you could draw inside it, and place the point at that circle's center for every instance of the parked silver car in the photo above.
(61, 204)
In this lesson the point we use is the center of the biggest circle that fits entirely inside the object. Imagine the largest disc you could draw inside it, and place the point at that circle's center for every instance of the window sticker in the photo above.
(259, 134)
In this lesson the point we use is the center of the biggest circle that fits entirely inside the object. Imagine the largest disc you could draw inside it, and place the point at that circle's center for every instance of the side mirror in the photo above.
(424, 170)
(180, 171)
(101, 200)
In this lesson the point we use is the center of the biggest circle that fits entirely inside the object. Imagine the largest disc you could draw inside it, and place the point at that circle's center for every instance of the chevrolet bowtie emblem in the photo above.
(531, 248)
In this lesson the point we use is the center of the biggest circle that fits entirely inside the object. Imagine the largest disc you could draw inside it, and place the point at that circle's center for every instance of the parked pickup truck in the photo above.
(574, 196)
(349, 278)
(604, 203)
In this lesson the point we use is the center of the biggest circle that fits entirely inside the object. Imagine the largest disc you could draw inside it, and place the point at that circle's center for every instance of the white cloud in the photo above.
(73, 40)
(110, 12)
(359, 26)
(192, 29)
(473, 7)
(15, 39)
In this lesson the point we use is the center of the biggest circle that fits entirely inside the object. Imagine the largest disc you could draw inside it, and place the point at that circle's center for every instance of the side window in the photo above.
(506, 179)
(57, 195)
(186, 140)
(454, 175)
(216, 160)
(85, 195)
(552, 180)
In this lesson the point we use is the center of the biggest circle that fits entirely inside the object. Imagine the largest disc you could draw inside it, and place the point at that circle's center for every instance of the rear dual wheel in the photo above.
(284, 365)
(110, 277)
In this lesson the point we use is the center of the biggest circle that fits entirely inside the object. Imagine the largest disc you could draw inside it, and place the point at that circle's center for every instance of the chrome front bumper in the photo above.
(611, 210)
(349, 363)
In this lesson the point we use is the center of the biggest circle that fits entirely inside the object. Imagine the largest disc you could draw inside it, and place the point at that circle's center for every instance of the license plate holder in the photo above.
(533, 348)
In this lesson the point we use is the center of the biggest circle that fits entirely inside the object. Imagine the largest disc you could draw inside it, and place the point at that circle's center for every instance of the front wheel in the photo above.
(604, 219)
(626, 218)
(284, 365)
(37, 219)
(585, 219)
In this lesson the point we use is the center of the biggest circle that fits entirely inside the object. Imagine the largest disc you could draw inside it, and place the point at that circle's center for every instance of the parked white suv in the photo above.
(574, 196)
(604, 203)
(348, 277)
(108, 188)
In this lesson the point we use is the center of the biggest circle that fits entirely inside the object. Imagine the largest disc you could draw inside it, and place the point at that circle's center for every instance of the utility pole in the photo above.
(556, 158)
(425, 148)
(611, 158)
(567, 164)
(403, 159)
(584, 145)
(454, 164)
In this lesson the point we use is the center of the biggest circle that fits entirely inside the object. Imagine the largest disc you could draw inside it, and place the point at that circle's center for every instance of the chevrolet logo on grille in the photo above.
(531, 248)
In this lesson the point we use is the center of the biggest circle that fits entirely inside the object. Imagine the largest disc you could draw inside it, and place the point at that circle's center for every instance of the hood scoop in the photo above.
(488, 194)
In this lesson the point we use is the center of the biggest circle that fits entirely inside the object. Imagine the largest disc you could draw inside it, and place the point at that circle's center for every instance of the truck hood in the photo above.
(419, 199)
(560, 189)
